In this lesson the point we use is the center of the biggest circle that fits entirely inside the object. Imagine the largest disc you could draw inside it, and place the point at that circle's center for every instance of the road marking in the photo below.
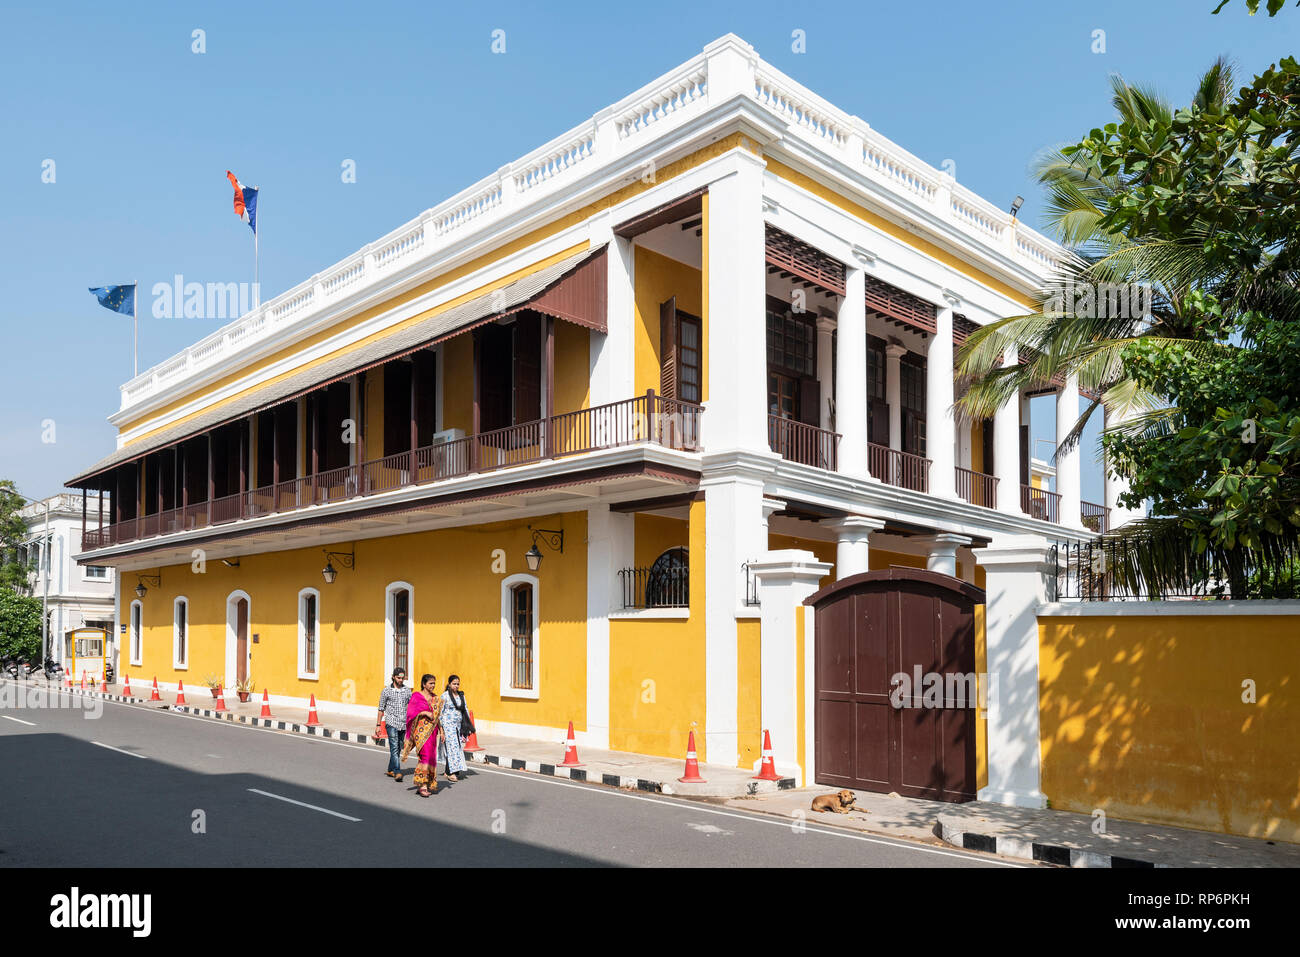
(30, 724)
(118, 750)
(323, 810)
(664, 802)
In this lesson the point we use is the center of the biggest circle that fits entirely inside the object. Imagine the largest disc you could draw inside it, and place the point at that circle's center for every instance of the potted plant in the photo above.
(213, 683)
(244, 688)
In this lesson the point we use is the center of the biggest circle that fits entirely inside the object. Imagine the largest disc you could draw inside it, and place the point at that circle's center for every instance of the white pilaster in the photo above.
(736, 533)
(826, 372)
(1068, 482)
(1016, 569)
(894, 393)
(1117, 484)
(609, 548)
(612, 357)
(942, 554)
(1006, 447)
(851, 375)
(786, 578)
(853, 549)
(940, 427)
(737, 373)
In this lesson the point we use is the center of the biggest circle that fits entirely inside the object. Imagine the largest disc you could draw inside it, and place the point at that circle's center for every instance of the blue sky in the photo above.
(141, 131)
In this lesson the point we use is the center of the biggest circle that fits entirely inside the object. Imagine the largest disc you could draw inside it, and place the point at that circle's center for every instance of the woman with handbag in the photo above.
(392, 719)
(456, 727)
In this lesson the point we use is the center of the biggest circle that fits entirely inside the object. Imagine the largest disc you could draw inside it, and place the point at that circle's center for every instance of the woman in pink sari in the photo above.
(422, 714)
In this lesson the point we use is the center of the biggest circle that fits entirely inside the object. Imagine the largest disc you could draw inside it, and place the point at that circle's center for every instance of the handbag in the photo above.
(466, 725)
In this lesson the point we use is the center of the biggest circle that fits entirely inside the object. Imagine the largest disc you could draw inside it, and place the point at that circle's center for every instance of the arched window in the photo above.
(180, 629)
(308, 633)
(137, 628)
(668, 584)
(399, 623)
(520, 650)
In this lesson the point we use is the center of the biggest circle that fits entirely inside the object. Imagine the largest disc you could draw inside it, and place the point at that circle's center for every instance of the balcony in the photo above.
(1041, 504)
(806, 444)
(902, 469)
(977, 487)
(649, 418)
(1096, 517)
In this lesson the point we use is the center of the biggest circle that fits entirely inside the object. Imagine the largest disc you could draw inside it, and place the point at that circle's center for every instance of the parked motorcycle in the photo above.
(53, 670)
(108, 671)
(11, 668)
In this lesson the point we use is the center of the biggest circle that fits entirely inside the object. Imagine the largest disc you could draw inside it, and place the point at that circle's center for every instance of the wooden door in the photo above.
(241, 639)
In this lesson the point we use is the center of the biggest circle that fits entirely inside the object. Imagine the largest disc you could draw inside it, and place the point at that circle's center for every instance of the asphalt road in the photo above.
(131, 788)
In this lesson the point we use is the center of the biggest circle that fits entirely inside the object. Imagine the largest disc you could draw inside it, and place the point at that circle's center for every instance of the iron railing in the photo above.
(977, 488)
(662, 585)
(1095, 517)
(1041, 504)
(806, 444)
(902, 469)
(646, 418)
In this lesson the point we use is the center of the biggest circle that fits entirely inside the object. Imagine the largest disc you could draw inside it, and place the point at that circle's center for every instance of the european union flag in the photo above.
(118, 298)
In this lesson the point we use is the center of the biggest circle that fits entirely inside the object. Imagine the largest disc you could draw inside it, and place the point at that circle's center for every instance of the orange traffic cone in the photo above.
(312, 720)
(471, 743)
(69, 679)
(126, 686)
(768, 770)
(83, 679)
(103, 684)
(571, 752)
(155, 696)
(180, 692)
(692, 775)
(266, 704)
(221, 699)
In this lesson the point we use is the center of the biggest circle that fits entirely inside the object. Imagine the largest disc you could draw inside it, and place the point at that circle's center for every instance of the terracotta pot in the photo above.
(243, 695)
(214, 691)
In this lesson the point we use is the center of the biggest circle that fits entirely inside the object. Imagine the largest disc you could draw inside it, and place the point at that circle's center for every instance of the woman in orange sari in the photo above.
(422, 714)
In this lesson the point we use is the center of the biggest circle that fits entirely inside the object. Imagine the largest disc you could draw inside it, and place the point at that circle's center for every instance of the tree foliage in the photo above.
(20, 626)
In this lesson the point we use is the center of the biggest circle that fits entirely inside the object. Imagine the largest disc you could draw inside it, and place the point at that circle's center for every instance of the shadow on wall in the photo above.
(1148, 718)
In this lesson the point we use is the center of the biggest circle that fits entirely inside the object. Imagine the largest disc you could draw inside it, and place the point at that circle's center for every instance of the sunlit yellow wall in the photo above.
(572, 365)
(655, 534)
(458, 383)
(456, 616)
(659, 278)
(375, 413)
(977, 447)
(878, 558)
(656, 672)
(749, 685)
(800, 631)
(825, 551)
(981, 717)
(1143, 717)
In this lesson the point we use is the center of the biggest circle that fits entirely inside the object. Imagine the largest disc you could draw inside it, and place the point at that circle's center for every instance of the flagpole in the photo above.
(135, 323)
(257, 289)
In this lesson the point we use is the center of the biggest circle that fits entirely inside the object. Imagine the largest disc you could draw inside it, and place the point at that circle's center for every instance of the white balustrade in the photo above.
(614, 131)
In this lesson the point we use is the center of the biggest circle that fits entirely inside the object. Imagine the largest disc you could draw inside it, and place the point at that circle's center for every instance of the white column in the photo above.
(942, 554)
(826, 373)
(785, 578)
(736, 416)
(852, 549)
(1016, 569)
(1068, 483)
(736, 533)
(1006, 448)
(851, 375)
(609, 548)
(611, 357)
(1118, 484)
(894, 393)
(940, 427)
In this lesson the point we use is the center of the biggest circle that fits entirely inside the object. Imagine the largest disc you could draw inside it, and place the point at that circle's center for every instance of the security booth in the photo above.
(85, 651)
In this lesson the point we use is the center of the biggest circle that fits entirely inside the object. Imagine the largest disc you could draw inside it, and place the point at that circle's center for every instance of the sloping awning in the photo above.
(573, 290)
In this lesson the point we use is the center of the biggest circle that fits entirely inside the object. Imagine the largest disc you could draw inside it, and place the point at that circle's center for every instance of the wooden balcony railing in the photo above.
(1095, 517)
(1041, 504)
(977, 488)
(646, 418)
(902, 469)
(802, 443)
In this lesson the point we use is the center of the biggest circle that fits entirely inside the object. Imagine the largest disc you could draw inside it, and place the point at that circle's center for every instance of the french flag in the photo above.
(245, 202)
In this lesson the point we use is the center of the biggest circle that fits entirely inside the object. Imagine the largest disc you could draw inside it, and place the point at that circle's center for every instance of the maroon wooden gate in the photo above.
(874, 626)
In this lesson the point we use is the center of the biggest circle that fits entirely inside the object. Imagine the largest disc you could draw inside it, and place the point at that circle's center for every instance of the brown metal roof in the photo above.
(572, 289)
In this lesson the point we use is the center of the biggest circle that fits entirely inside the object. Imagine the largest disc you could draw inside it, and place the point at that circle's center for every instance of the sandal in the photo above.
(397, 777)
(423, 792)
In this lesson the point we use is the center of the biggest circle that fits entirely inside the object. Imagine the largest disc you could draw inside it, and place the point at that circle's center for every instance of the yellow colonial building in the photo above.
(589, 432)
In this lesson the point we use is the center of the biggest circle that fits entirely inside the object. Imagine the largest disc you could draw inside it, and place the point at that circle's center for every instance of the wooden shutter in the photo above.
(986, 444)
(1024, 455)
(810, 400)
(425, 368)
(528, 369)
(668, 348)
(397, 407)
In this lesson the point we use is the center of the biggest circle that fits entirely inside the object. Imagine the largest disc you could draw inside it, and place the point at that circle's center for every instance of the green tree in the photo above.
(1252, 6)
(20, 625)
(1201, 206)
(13, 530)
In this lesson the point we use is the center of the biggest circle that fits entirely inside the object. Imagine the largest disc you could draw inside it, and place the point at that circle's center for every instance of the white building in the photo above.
(78, 596)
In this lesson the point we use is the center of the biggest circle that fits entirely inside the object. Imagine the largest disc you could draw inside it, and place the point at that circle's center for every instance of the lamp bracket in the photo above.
(346, 559)
(553, 538)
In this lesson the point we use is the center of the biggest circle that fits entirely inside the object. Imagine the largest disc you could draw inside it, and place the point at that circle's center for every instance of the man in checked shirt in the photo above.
(392, 713)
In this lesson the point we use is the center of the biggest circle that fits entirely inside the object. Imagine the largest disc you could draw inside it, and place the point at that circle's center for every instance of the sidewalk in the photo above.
(613, 768)
(1051, 837)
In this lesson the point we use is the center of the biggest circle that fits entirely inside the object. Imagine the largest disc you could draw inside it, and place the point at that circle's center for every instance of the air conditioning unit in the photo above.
(447, 435)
